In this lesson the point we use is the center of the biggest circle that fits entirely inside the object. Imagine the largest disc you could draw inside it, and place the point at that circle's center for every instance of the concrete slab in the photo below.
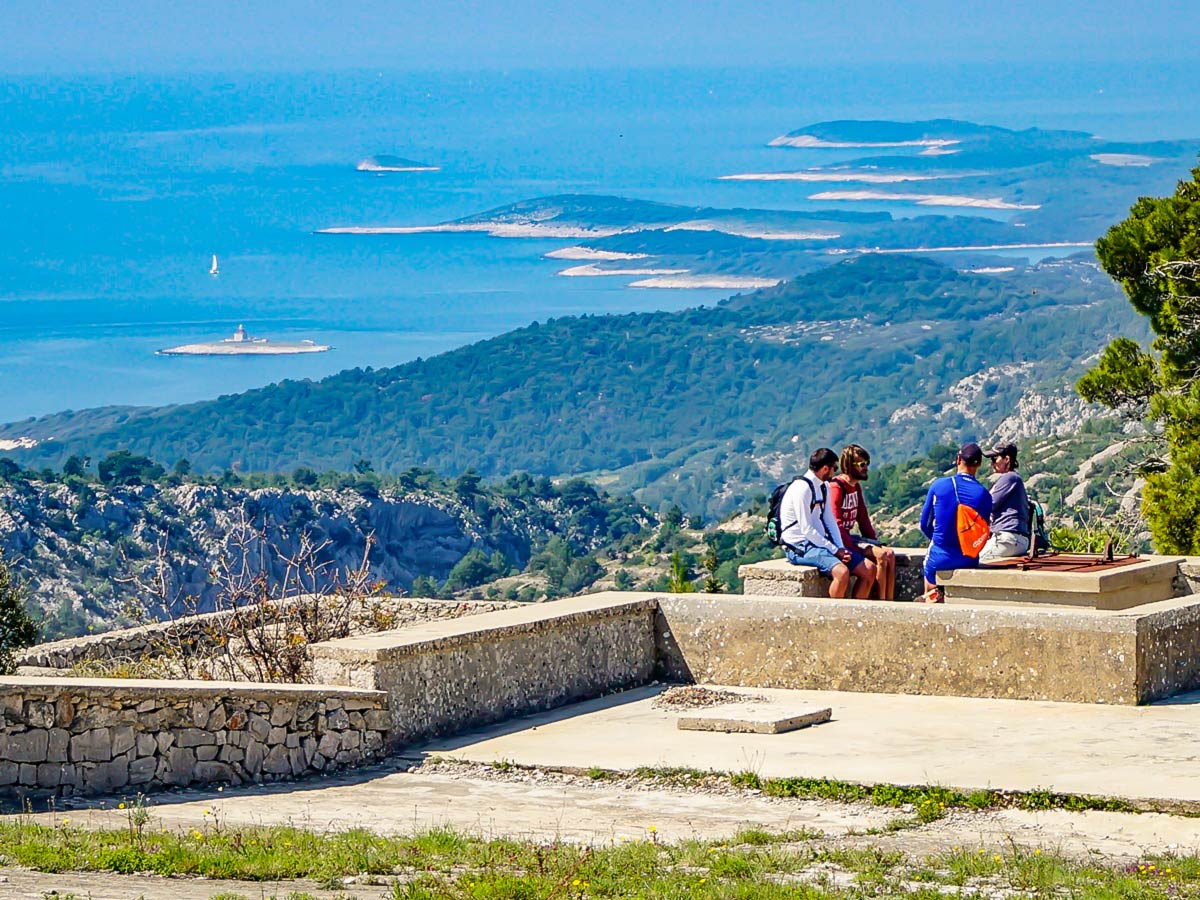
(1148, 580)
(1143, 753)
(752, 718)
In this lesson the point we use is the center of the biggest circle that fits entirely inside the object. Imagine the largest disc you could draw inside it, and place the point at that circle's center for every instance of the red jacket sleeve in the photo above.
(865, 528)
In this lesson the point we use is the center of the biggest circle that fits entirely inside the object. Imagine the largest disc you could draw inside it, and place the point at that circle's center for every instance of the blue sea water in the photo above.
(116, 191)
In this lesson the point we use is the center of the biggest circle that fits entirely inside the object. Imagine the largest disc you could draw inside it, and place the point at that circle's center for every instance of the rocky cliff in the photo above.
(77, 545)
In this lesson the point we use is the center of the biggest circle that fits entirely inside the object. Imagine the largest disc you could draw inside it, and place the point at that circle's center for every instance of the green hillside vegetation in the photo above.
(77, 536)
(828, 357)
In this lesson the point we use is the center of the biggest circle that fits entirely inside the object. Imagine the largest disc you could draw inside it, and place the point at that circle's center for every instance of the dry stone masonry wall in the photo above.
(72, 736)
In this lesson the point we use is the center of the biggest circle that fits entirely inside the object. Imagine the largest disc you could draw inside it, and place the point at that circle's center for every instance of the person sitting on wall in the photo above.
(850, 508)
(1010, 507)
(810, 531)
(940, 518)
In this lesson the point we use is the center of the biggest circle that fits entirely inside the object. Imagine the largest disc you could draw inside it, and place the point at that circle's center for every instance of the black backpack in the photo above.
(775, 528)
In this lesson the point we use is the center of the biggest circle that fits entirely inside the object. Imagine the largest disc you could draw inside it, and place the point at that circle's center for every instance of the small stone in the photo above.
(209, 772)
(297, 761)
(195, 737)
(28, 746)
(277, 735)
(337, 720)
(123, 738)
(254, 758)
(329, 745)
(258, 727)
(39, 714)
(142, 770)
(276, 762)
(60, 739)
(217, 720)
(283, 713)
(208, 753)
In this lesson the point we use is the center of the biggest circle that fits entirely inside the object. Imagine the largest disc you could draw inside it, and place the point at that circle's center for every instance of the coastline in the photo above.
(495, 229)
(955, 200)
(368, 167)
(724, 282)
(761, 235)
(219, 348)
(971, 247)
(585, 253)
(842, 177)
(587, 270)
(1122, 160)
(809, 141)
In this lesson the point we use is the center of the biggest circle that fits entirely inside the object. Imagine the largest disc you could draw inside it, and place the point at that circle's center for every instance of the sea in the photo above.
(117, 190)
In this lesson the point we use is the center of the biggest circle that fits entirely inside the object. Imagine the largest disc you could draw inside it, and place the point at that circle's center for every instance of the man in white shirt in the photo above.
(810, 532)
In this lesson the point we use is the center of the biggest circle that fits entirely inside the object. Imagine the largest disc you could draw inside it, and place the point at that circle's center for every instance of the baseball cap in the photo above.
(970, 453)
(1009, 450)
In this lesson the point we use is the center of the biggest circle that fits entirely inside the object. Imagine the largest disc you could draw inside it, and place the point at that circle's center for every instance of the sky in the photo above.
(74, 36)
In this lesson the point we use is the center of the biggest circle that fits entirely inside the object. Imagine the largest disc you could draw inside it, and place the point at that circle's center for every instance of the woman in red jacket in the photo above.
(845, 493)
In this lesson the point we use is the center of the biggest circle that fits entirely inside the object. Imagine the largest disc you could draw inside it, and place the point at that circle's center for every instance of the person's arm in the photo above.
(837, 493)
(831, 525)
(927, 514)
(1000, 493)
(865, 528)
(986, 506)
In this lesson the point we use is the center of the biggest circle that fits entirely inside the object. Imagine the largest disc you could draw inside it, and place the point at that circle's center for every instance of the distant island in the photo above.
(242, 344)
(384, 163)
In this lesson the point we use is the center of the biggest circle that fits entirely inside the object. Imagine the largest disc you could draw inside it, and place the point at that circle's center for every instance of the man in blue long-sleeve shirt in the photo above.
(939, 517)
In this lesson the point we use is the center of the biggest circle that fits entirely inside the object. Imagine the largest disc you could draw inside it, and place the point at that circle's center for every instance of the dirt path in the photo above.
(544, 805)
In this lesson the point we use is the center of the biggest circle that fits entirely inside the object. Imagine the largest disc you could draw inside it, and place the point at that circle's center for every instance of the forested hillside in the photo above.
(87, 545)
(699, 407)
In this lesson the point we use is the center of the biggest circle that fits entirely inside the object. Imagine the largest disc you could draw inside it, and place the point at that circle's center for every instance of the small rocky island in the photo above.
(242, 344)
(385, 163)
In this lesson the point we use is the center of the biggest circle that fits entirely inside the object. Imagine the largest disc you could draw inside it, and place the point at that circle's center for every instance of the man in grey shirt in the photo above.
(1010, 507)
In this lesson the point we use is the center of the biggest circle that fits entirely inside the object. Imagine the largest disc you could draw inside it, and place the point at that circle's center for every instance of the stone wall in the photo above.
(445, 677)
(134, 643)
(89, 736)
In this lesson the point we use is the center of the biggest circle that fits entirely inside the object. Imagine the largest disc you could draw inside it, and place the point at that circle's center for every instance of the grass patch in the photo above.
(440, 864)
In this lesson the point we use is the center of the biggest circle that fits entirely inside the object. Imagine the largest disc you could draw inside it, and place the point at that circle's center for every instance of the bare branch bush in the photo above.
(262, 608)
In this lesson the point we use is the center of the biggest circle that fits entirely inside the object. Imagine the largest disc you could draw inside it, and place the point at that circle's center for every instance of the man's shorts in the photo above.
(820, 558)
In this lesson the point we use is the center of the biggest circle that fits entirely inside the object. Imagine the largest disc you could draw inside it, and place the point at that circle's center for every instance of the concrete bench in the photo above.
(779, 578)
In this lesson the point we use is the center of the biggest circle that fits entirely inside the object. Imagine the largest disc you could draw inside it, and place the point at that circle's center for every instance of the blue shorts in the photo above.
(939, 560)
(820, 558)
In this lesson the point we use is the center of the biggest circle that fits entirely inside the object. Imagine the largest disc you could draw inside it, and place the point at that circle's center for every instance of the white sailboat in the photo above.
(214, 271)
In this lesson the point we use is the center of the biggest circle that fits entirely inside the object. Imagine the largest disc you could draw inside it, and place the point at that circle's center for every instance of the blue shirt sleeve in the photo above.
(927, 514)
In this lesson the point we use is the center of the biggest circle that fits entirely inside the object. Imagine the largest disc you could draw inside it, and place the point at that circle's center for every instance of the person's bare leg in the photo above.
(888, 575)
(866, 573)
(840, 581)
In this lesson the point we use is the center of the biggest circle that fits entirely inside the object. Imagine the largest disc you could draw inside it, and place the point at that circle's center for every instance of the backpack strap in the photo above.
(823, 502)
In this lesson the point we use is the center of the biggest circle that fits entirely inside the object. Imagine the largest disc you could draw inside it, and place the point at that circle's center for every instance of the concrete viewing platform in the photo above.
(1138, 753)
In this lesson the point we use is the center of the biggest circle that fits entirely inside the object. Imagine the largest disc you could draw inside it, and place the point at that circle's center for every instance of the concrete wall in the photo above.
(1028, 653)
(448, 676)
(1168, 648)
(71, 735)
